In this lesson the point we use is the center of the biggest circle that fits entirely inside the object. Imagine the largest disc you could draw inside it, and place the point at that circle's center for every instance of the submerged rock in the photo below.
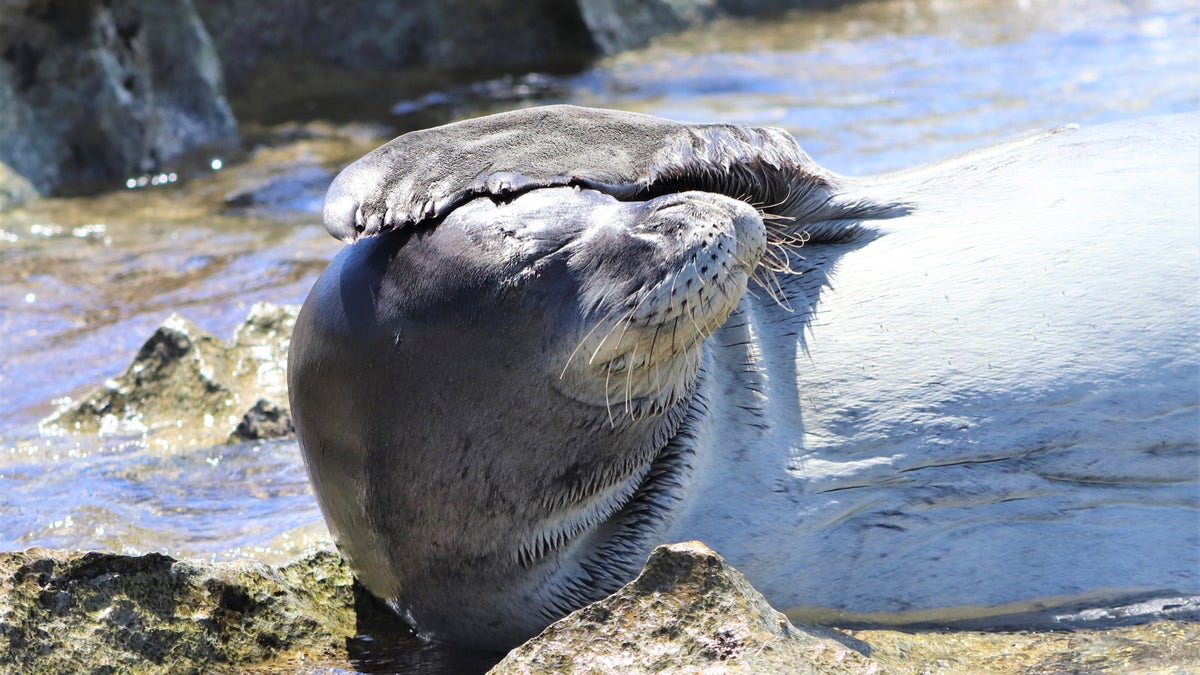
(688, 611)
(184, 378)
(103, 612)
(299, 189)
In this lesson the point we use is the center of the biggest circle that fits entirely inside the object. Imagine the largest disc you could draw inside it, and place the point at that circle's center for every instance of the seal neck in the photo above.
(611, 552)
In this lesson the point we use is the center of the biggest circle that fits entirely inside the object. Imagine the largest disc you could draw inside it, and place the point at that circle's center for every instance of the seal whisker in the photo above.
(654, 361)
(776, 217)
(777, 293)
(766, 207)
(607, 401)
(607, 335)
(777, 257)
(629, 382)
(770, 258)
(699, 331)
(584, 341)
(675, 336)
(630, 365)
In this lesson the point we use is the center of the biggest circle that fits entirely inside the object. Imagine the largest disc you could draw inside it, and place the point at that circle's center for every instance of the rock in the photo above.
(104, 612)
(1159, 647)
(258, 41)
(331, 53)
(264, 420)
(15, 190)
(184, 378)
(107, 612)
(690, 612)
(617, 25)
(687, 612)
(94, 91)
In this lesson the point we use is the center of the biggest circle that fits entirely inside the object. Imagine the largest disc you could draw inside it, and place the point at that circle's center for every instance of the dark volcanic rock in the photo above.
(265, 420)
(96, 91)
(332, 53)
(366, 36)
(93, 91)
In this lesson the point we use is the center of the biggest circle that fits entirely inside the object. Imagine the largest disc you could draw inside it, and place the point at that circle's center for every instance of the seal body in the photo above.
(990, 408)
(965, 391)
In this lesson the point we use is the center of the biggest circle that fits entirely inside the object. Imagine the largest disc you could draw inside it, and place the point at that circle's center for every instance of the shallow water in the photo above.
(872, 87)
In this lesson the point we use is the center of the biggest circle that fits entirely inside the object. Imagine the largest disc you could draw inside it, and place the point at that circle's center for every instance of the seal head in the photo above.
(493, 401)
(493, 386)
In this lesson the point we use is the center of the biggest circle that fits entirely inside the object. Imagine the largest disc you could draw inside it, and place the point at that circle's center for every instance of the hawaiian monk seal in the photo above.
(564, 336)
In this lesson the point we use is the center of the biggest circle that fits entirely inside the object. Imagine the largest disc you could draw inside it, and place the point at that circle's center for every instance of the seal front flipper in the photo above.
(423, 175)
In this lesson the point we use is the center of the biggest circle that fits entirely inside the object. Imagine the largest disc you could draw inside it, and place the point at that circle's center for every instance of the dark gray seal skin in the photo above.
(563, 336)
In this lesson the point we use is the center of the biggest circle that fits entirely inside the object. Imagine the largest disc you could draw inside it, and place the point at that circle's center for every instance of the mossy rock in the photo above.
(104, 612)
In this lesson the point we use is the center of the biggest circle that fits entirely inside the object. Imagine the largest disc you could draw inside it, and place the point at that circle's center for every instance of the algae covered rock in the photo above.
(184, 378)
(104, 612)
(687, 612)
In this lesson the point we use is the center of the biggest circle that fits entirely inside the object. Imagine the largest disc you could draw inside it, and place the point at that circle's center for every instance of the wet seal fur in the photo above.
(563, 336)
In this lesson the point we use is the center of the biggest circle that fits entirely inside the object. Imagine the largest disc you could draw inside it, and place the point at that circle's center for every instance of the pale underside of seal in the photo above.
(565, 335)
